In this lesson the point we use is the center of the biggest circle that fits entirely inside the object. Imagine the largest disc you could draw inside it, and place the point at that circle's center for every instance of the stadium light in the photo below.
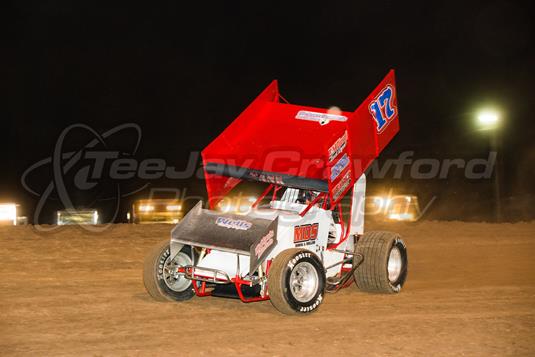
(488, 119)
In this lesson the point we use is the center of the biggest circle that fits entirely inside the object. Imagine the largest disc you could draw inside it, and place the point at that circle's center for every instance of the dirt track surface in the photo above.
(470, 290)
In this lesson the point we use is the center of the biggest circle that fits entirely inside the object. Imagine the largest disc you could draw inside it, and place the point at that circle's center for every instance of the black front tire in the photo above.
(158, 283)
(305, 270)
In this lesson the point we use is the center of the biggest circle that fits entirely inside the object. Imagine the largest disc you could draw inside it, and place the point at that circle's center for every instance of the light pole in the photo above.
(489, 121)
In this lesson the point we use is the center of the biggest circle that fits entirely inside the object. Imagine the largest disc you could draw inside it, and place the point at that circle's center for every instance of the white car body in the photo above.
(288, 211)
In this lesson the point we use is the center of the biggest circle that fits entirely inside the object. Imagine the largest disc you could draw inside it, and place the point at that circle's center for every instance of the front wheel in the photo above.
(161, 277)
(296, 281)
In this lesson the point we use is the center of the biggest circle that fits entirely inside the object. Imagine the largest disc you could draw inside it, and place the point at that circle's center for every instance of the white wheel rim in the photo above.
(304, 281)
(395, 264)
(172, 278)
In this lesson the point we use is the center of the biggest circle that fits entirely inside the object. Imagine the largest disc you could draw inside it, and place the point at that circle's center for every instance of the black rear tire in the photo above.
(305, 270)
(375, 274)
(158, 283)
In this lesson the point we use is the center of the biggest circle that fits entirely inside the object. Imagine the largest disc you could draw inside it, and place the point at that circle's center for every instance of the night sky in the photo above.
(183, 71)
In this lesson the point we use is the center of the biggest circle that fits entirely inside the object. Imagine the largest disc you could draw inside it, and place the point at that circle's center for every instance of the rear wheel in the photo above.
(296, 281)
(385, 264)
(161, 277)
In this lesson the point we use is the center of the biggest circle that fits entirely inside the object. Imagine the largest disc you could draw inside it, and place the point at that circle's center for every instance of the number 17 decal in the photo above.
(382, 108)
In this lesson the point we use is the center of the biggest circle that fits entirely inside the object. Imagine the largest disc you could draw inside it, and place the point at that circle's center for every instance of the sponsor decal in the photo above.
(263, 177)
(264, 244)
(341, 186)
(161, 264)
(382, 108)
(232, 223)
(322, 118)
(313, 306)
(338, 146)
(293, 262)
(339, 167)
(306, 233)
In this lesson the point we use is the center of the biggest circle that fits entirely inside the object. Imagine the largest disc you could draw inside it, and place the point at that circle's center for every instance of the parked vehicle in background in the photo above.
(22, 220)
(156, 211)
(393, 208)
(77, 216)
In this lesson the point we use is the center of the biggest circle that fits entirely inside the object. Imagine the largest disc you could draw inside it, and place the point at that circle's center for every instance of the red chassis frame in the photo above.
(238, 282)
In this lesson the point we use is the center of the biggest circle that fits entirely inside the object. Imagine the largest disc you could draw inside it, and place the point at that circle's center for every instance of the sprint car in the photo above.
(304, 236)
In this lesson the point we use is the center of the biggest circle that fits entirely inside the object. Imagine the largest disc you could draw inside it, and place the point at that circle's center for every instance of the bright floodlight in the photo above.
(488, 119)
(8, 213)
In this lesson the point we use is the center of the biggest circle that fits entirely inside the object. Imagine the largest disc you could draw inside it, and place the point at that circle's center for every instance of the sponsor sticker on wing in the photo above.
(264, 244)
(339, 167)
(232, 223)
(322, 118)
(341, 186)
(338, 146)
(264, 177)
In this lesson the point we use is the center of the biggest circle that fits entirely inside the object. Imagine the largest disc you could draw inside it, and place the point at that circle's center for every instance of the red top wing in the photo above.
(300, 146)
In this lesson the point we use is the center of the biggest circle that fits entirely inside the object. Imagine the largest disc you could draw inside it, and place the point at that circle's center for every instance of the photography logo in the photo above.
(86, 170)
